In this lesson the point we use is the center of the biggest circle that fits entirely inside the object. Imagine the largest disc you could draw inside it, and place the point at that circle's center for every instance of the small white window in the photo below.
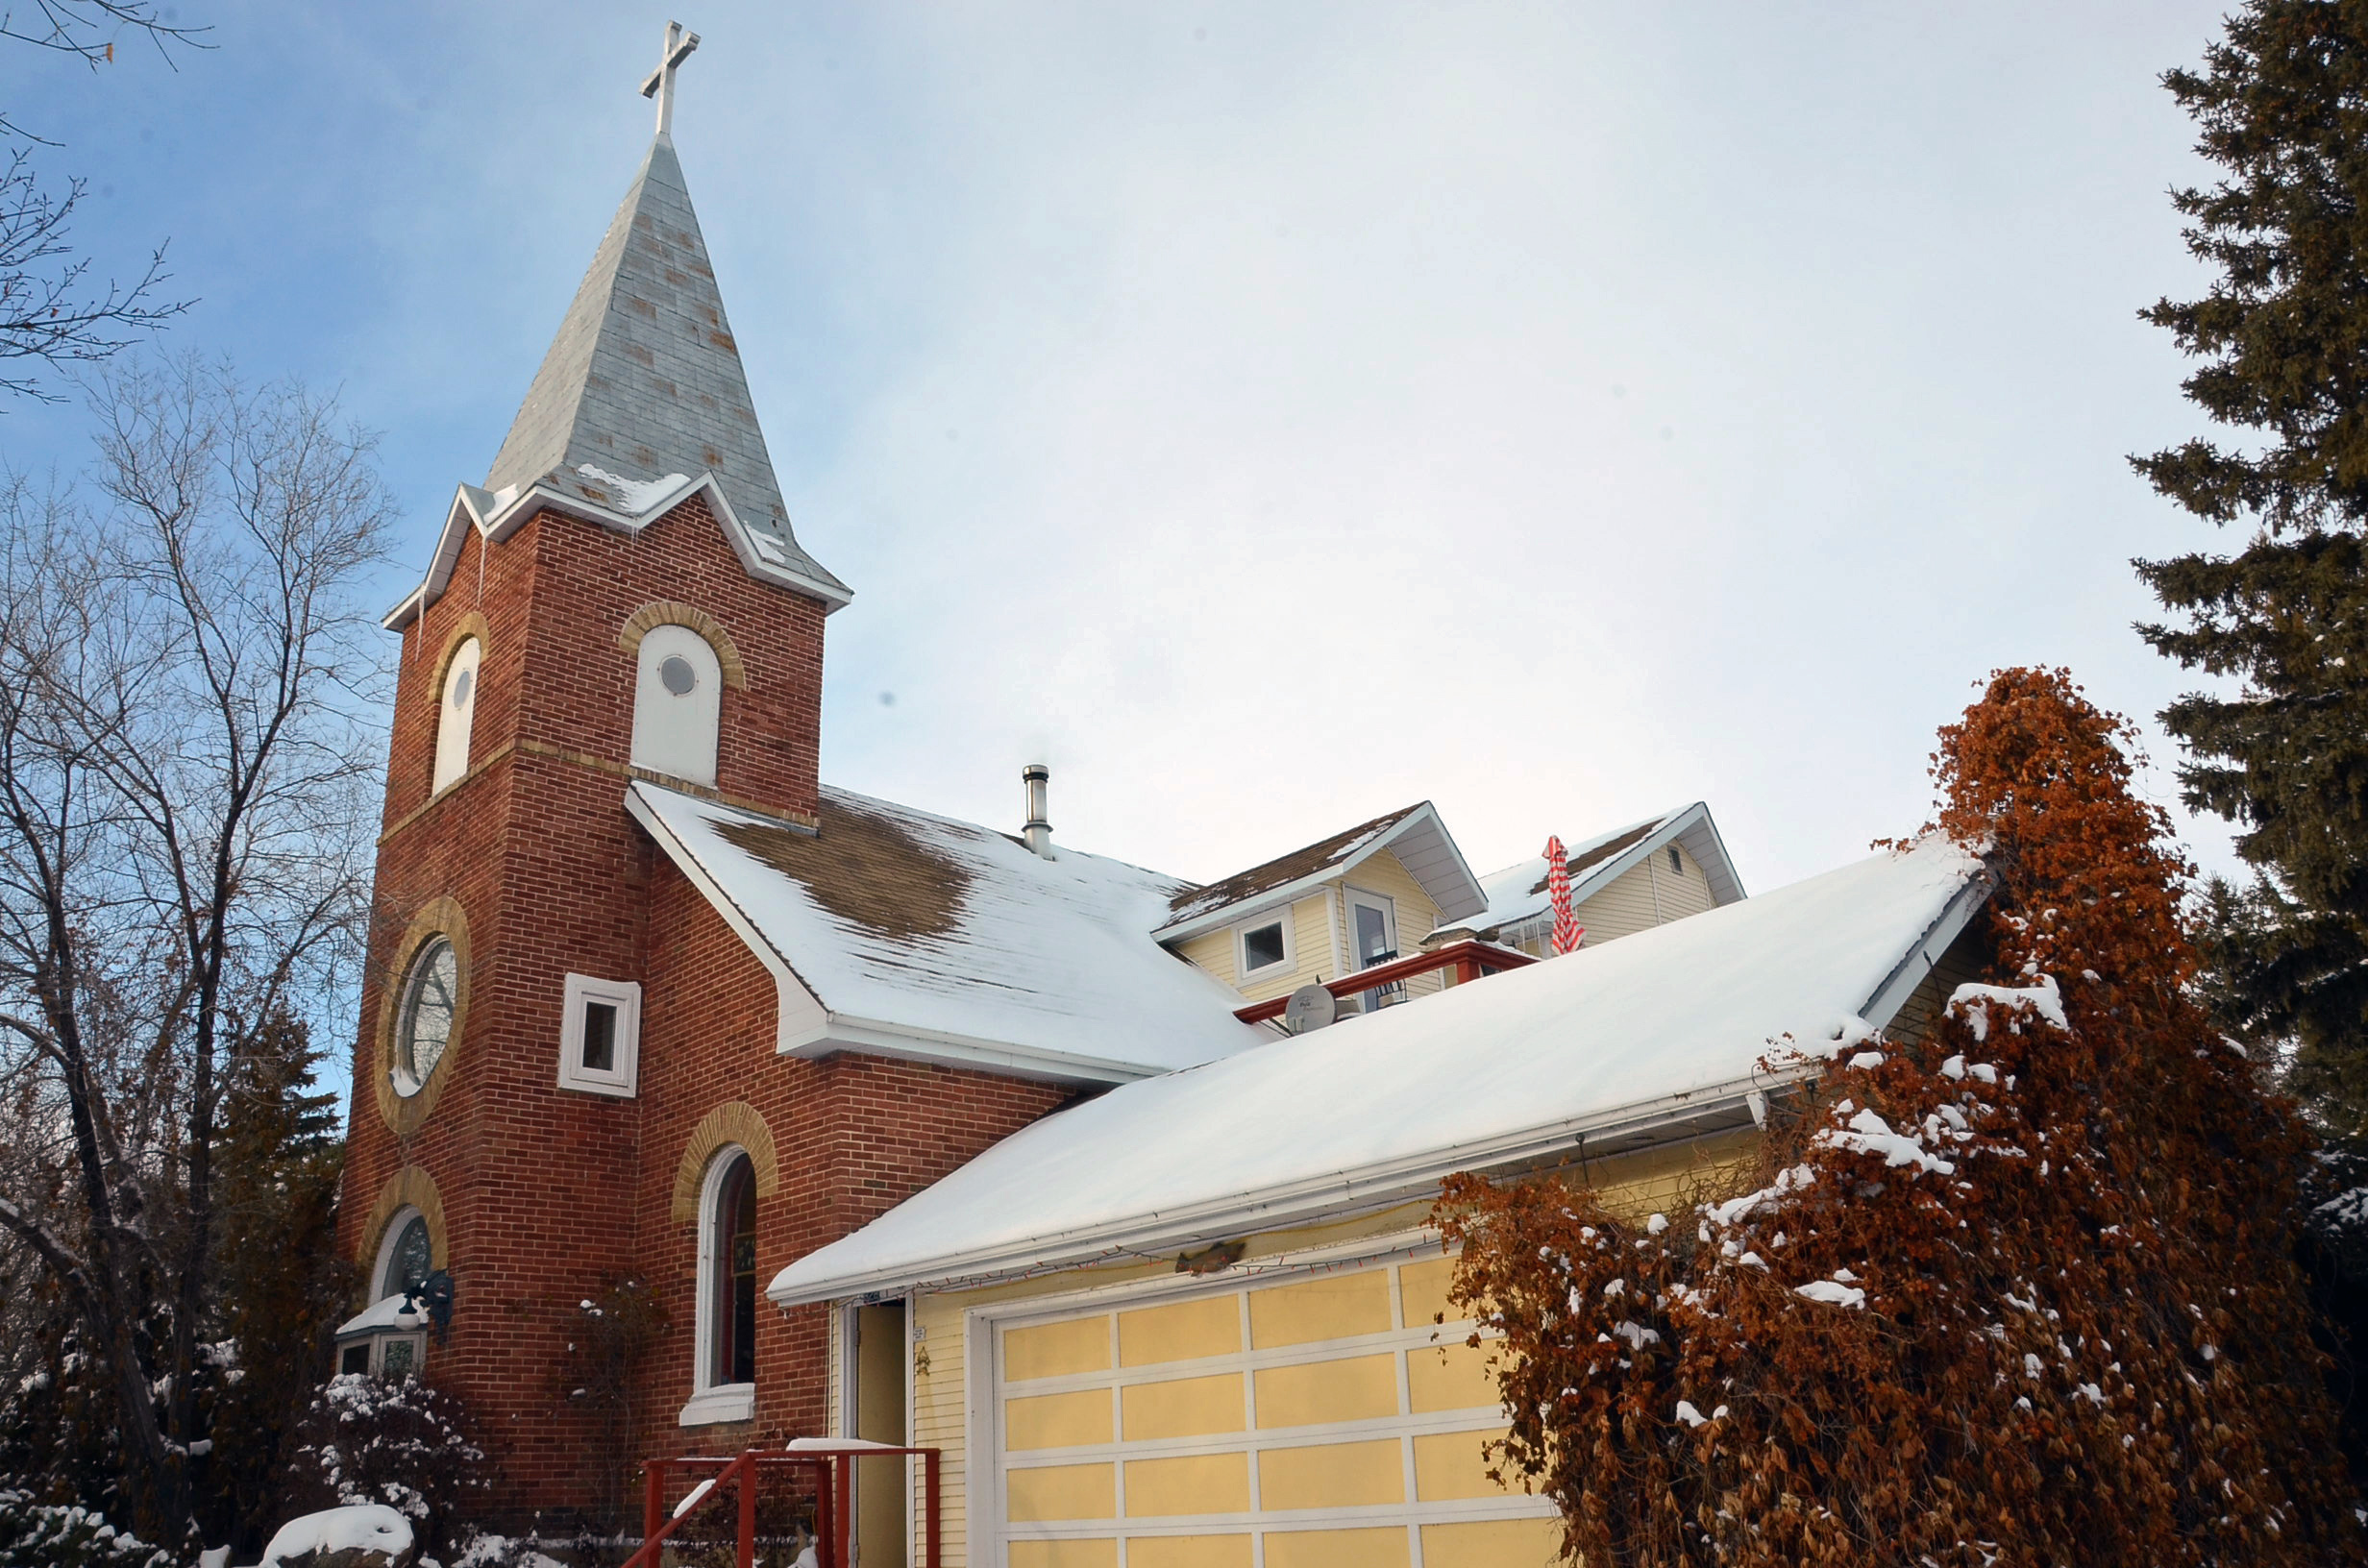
(600, 1035)
(1263, 945)
(723, 1375)
(456, 712)
(677, 703)
(1677, 865)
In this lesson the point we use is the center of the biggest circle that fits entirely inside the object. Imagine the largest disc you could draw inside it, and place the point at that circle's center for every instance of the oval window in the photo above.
(424, 1025)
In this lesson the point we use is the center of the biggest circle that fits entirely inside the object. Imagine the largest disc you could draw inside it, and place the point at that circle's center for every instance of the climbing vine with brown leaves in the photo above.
(2019, 1292)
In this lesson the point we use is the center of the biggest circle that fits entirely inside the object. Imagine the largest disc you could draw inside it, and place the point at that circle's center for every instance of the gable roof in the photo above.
(895, 932)
(640, 400)
(1517, 892)
(1607, 1046)
(1415, 834)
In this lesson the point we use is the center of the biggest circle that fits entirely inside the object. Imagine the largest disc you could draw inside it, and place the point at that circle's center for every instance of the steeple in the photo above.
(644, 385)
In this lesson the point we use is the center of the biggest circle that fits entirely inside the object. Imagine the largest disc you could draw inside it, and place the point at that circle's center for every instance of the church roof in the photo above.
(643, 383)
(1519, 892)
(1658, 1035)
(895, 932)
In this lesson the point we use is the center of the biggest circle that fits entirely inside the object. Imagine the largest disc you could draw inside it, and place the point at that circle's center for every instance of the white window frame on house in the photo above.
(1258, 922)
(622, 1078)
(712, 1403)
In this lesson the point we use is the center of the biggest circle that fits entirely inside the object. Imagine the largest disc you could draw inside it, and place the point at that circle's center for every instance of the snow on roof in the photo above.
(385, 1312)
(901, 933)
(1519, 892)
(1415, 834)
(1383, 1106)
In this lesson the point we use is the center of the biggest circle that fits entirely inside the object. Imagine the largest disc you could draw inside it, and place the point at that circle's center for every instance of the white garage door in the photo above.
(1306, 1421)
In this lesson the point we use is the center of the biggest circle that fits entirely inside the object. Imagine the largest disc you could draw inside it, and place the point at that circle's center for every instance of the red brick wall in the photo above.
(547, 1193)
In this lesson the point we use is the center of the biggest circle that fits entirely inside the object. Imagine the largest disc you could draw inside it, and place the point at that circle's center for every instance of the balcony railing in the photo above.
(1469, 960)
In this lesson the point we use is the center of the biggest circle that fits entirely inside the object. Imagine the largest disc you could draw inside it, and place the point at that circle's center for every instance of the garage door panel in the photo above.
(1062, 1492)
(1187, 1331)
(1318, 1393)
(1053, 1350)
(1452, 1465)
(1095, 1554)
(1072, 1420)
(1331, 1306)
(1384, 1548)
(1183, 1407)
(1187, 1484)
(1332, 1476)
(1188, 1552)
(1490, 1543)
(1450, 1377)
(1423, 1293)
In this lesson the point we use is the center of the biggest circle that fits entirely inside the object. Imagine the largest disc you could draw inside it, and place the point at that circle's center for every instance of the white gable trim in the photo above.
(1445, 876)
(805, 1027)
(495, 519)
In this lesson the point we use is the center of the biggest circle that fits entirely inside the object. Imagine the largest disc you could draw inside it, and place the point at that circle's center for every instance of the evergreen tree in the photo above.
(2283, 339)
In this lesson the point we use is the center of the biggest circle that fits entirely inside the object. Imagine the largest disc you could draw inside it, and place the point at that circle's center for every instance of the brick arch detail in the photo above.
(438, 917)
(671, 612)
(734, 1122)
(471, 624)
(411, 1188)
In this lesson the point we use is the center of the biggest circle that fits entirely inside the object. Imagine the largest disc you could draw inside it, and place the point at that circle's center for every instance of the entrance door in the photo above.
(1373, 940)
(881, 1489)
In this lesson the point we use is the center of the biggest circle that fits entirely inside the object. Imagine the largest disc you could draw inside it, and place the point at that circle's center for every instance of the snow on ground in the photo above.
(368, 1526)
(1397, 1100)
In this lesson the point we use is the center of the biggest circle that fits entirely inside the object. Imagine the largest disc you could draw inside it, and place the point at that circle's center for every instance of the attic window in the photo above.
(1265, 945)
(1677, 867)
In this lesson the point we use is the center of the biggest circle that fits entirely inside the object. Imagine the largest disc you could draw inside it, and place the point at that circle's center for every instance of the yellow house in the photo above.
(1190, 1323)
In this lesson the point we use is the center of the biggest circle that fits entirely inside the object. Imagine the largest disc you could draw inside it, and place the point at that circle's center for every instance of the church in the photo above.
(1107, 1185)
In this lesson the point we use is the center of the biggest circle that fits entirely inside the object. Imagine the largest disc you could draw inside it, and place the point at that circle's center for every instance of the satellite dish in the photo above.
(1311, 1007)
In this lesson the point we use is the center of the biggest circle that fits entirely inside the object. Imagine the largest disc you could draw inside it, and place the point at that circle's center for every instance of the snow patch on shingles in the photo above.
(361, 1526)
(1001, 945)
(633, 496)
(1976, 1001)
(1676, 1009)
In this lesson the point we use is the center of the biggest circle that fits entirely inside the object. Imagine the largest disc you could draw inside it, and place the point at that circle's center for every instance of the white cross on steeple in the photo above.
(660, 82)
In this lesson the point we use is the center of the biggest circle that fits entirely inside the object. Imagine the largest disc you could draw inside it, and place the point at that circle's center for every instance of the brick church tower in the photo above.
(572, 1066)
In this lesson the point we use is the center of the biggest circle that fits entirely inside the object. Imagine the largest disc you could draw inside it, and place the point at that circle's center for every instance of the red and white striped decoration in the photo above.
(1568, 933)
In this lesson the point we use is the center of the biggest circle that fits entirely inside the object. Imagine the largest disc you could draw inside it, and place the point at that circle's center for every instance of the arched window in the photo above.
(678, 703)
(456, 708)
(728, 1273)
(407, 1257)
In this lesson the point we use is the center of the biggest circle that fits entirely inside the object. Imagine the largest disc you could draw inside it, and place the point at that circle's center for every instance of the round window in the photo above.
(674, 672)
(463, 685)
(424, 1025)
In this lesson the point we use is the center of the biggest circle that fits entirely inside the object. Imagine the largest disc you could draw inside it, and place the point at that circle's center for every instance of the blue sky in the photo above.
(1273, 413)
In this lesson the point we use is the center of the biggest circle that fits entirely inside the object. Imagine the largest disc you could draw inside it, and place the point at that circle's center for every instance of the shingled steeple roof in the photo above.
(643, 383)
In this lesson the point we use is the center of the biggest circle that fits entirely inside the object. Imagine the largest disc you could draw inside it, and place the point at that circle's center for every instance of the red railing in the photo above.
(833, 1467)
(1468, 958)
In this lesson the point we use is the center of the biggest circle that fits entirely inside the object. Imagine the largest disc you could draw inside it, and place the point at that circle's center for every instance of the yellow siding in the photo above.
(1645, 895)
(1212, 951)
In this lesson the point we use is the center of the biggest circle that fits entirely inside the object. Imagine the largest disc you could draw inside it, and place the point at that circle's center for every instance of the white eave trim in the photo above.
(1290, 893)
(1384, 1183)
(495, 521)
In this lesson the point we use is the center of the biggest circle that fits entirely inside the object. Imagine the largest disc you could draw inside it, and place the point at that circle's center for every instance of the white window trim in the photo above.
(625, 995)
(1389, 912)
(387, 1238)
(1259, 922)
(712, 1402)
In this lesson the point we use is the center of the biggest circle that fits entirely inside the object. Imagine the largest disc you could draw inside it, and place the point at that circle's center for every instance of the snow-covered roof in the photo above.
(1519, 892)
(640, 400)
(385, 1312)
(1414, 835)
(895, 932)
(1600, 1045)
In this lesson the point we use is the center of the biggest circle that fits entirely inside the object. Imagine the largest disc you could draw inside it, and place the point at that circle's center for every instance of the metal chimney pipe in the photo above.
(1037, 835)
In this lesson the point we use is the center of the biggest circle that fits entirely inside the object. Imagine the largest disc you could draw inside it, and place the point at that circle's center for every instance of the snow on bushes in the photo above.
(2022, 1291)
(358, 1527)
(406, 1445)
(49, 1535)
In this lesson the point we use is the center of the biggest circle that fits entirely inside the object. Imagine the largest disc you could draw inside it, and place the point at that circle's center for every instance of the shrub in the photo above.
(50, 1535)
(409, 1445)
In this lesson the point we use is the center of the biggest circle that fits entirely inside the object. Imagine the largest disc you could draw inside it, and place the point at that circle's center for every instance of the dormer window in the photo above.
(677, 705)
(1263, 945)
(456, 712)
